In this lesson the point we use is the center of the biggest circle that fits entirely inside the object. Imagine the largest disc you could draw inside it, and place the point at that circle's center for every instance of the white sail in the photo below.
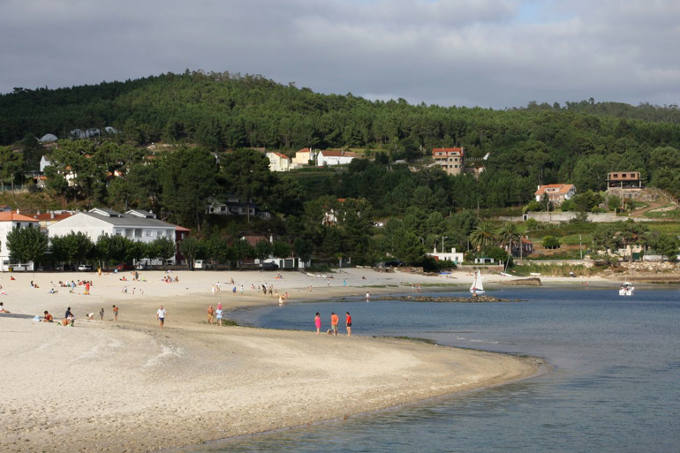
(477, 286)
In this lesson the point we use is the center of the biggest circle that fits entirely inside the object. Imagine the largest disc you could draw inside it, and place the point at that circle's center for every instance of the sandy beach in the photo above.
(128, 385)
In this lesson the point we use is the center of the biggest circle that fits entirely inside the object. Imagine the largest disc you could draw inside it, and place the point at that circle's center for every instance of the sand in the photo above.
(128, 385)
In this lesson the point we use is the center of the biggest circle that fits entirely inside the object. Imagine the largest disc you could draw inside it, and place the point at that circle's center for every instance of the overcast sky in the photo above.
(491, 53)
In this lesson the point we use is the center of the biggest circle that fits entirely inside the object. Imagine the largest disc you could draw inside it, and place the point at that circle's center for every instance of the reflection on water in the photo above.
(615, 386)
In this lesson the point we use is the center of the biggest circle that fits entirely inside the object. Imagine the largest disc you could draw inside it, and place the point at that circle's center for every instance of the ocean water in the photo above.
(614, 385)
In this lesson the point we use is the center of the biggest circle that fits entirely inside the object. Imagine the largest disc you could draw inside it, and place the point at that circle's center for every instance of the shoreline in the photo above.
(133, 386)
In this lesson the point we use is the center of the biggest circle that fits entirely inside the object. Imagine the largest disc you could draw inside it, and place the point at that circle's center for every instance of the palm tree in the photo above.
(509, 236)
(483, 236)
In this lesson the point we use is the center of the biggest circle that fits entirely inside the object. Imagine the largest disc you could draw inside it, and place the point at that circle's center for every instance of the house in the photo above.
(557, 193)
(44, 162)
(135, 224)
(303, 157)
(331, 157)
(235, 207)
(527, 248)
(48, 138)
(181, 233)
(484, 260)
(455, 257)
(8, 221)
(48, 218)
(450, 159)
(624, 180)
(278, 162)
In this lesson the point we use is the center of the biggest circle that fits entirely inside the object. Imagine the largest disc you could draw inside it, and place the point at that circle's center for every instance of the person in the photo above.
(2, 308)
(334, 323)
(160, 315)
(368, 296)
(69, 318)
(115, 312)
(87, 288)
(280, 300)
(47, 317)
(317, 322)
(348, 324)
(218, 314)
(211, 313)
(101, 314)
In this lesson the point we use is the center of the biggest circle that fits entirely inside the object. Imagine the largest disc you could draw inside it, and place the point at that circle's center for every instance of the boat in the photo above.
(626, 289)
(477, 286)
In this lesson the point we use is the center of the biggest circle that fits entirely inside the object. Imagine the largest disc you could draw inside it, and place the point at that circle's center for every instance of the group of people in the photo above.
(215, 315)
(334, 323)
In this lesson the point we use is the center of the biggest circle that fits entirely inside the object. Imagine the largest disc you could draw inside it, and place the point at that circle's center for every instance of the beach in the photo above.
(129, 385)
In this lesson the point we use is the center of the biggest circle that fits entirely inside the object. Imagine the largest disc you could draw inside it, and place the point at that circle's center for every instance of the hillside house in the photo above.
(8, 221)
(449, 159)
(557, 193)
(624, 180)
(331, 157)
(278, 161)
(303, 157)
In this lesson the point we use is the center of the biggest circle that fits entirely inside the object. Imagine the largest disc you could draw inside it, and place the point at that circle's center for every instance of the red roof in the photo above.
(458, 150)
(281, 155)
(554, 188)
(181, 228)
(14, 217)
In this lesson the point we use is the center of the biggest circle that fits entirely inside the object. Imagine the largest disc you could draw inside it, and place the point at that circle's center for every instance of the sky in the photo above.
(488, 53)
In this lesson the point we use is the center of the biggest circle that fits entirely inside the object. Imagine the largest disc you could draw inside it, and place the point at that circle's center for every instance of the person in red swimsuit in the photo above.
(348, 324)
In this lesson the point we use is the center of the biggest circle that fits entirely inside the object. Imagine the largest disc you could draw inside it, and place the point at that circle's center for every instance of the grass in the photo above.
(666, 227)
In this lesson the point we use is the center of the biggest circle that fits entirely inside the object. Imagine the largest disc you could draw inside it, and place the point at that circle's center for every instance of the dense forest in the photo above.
(213, 119)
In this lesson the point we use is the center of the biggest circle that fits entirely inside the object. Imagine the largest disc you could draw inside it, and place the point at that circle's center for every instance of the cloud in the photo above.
(491, 52)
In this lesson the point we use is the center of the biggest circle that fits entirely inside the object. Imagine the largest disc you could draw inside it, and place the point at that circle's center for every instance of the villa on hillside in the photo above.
(278, 161)
(624, 180)
(303, 157)
(450, 159)
(455, 257)
(557, 193)
(8, 221)
(330, 157)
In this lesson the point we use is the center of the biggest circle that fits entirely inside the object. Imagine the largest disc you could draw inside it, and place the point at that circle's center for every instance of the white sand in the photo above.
(132, 386)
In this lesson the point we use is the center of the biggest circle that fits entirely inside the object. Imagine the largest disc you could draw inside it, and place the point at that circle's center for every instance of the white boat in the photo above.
(626, 289)
(477, 286)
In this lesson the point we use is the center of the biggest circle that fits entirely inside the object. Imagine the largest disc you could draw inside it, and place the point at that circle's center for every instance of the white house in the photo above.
(44, 162)
(557, 193)
(331, 157)
(8, 221)
(278, 162)
(135, 224)
(455, 257)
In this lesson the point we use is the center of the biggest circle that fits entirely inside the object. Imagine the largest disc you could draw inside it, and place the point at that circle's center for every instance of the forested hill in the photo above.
(576, 143)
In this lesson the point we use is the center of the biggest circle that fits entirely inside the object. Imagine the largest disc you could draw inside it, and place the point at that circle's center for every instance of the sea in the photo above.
(612, 385)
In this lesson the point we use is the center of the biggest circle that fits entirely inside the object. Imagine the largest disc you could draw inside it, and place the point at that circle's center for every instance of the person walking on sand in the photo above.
(348, 323)
(218, 313)
(115, 312)
(334, 323)
(101, 314)
(211, 313)
(160, 315)
(317, 322)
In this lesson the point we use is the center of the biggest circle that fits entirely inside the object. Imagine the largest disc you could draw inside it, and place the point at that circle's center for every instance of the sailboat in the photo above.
(477, 287)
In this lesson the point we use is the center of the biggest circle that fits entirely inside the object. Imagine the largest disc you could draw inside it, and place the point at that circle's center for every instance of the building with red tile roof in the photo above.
(10, 220)
(557, 193)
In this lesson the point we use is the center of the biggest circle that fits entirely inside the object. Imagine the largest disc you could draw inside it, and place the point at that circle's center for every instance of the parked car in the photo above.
(269, 266)
(84, 268)
(124, 267)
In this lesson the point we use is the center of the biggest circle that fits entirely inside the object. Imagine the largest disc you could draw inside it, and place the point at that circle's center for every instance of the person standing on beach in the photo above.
(160, 315)
(368, 296)
(211, 312)
(348, 324)
(317, 322)
(334, 323)
(219, 317)
(115, 312)
(101, 314)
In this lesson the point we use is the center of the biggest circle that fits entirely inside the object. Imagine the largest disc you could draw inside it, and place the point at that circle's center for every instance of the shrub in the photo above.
(551, 242)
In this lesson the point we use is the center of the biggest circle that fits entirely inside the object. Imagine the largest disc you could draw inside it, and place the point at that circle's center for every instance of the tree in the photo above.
(161, 248)
(263, 249)
(509, 236)
(11, 164)
(187, 179)
(72, 248)
(246, 174)
(189, 247)
(27, 244)
(483, 236)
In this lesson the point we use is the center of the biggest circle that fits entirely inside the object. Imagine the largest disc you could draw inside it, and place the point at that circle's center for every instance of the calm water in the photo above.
(615, 386)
